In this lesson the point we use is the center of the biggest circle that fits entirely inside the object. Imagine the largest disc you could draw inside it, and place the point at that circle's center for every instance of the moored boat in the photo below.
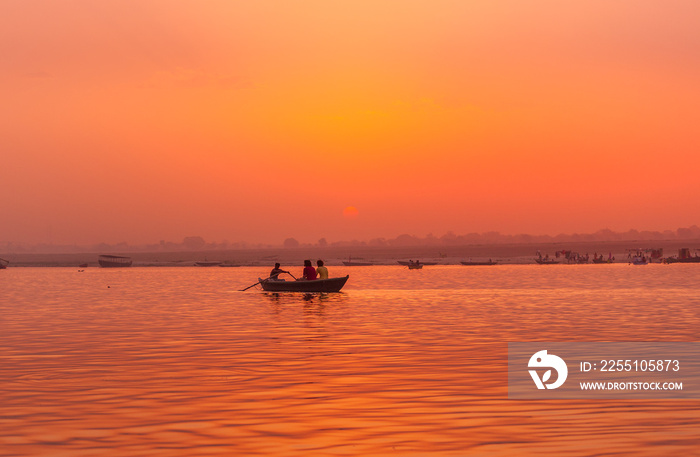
(207, 263)
(315, 285)
(4, 263)
(353, 263)
(684, 257)
(470, 263)
(114, 261)
(546, 261)
(410, 262)
(688, 260)
(638, 257)
(602, 260)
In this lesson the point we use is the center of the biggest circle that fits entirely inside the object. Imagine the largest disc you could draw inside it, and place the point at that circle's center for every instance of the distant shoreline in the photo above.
(505, 254)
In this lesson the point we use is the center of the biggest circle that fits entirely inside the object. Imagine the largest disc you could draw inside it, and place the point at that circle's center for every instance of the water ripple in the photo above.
(178, 361)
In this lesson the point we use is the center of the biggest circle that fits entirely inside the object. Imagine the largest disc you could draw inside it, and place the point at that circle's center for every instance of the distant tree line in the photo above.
(197, 243)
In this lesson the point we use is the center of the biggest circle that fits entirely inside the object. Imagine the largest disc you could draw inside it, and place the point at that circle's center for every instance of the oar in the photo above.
(255, 284)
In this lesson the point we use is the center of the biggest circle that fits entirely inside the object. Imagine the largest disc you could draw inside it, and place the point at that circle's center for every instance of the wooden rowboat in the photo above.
(354, 263)
(546, 262)
(207, 263)
(695, 259)
(599, 260)
(316, 285)
(684, 257)
(114, 261)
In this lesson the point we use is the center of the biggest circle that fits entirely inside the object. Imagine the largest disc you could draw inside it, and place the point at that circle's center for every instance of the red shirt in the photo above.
(309, 272)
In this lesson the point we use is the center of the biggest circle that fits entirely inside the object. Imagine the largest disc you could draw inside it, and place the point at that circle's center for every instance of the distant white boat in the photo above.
(639, 261)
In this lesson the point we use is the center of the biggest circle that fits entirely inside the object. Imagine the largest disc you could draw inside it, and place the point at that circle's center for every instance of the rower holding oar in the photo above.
(274, 274)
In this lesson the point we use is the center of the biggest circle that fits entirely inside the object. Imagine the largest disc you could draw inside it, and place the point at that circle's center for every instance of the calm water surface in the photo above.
(178, 361)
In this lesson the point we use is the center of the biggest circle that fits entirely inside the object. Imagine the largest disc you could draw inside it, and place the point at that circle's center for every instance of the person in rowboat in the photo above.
(309, 272)
(321, 270)
(274, 274)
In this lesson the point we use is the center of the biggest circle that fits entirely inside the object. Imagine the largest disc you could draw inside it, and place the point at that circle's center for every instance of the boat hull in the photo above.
(686, 260)
(546, 262)
(405, 263)
(316, 285)
(114, 261)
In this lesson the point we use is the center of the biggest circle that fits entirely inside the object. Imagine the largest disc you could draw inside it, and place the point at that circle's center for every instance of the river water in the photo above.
(179, 361)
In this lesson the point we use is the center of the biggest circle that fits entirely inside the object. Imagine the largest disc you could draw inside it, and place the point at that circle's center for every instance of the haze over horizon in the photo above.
(258, 121)
(448, 240)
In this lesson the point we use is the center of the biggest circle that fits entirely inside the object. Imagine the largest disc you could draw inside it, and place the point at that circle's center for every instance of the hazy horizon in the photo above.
(450, 239)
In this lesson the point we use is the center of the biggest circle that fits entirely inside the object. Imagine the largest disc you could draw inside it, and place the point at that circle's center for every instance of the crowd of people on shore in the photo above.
(575, 257)
(309, 273)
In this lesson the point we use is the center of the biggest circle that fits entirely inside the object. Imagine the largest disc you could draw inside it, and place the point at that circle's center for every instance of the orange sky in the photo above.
(256, 121)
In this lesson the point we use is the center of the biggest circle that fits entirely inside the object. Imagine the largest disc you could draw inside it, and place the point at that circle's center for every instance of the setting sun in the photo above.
(350, 212)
